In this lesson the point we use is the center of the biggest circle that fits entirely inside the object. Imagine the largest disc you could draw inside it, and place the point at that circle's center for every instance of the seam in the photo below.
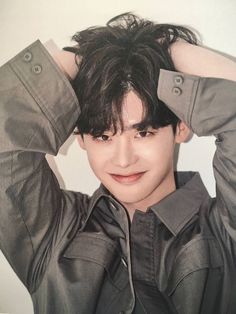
(193, 102)
(81, 255)
(190, 271)
(175, 231)
(152, 251)
(141, 303)
(65, 81)
(87, 235)
(62, 76)
(18, 208)
(185, 220)
(211, 238)
(32, 91)
(109, 246)
(13, 154)
(175, 286)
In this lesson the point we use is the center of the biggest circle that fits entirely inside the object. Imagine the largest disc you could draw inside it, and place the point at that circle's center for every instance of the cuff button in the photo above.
(176, 91)
(178, 80)
(37, 69)
(27, 57)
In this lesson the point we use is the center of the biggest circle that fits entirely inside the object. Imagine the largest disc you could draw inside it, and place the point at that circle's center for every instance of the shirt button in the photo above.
(176, 91)
(178, 80)
(37, 69)
(113, 206)
(124, 262)
(27, 56)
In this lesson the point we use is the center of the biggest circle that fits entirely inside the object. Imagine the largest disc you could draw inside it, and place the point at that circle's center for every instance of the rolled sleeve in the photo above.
(38, 72)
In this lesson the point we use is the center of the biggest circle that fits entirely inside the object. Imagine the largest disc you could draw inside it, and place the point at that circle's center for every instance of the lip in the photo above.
(127, 179)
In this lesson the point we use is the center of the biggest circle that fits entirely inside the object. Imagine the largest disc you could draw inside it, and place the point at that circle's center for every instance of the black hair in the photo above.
(126, 54)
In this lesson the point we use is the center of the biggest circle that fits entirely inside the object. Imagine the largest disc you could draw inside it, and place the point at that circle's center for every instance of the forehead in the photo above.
(132, 109)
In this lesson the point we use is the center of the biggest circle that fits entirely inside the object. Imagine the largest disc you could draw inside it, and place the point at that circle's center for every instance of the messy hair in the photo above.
(126, 54)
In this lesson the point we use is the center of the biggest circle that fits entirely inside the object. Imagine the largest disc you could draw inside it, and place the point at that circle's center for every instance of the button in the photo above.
(27, 56)
(124, 262)
(113, 206)
(37, 69)
(178, 80)
(176, 91)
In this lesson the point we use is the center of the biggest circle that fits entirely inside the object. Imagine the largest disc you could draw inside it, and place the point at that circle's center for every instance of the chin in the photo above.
(133, 193)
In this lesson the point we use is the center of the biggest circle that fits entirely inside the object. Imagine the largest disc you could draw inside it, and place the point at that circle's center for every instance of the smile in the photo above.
(128, 179)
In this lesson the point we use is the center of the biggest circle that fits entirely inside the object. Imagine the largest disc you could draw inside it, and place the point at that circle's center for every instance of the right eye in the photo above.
(102, 138)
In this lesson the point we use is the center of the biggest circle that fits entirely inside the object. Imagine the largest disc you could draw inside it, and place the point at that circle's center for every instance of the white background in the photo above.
(23, 21)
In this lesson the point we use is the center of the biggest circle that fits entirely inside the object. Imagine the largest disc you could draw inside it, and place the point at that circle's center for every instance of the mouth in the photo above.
(127, 179)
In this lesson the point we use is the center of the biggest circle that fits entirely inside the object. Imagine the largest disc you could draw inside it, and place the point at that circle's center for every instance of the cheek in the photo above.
(156, 152)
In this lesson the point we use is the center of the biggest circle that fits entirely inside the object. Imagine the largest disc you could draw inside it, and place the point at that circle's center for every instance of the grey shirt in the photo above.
(79, 254)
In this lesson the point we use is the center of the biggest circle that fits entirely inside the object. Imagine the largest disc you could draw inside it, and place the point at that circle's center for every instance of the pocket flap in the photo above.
(198, 254)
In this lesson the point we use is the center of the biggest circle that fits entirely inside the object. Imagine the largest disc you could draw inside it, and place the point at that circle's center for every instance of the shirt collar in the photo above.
(175, 210)
(97, 195)
(178, 208)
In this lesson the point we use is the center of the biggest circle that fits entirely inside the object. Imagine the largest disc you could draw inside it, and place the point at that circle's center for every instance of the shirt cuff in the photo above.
(178, 91)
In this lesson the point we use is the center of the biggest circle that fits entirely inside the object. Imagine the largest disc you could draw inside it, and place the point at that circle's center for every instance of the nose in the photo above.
(124, 154)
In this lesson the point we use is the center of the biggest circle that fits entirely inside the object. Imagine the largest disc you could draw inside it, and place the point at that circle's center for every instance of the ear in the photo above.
(183, 133)
(81, 141)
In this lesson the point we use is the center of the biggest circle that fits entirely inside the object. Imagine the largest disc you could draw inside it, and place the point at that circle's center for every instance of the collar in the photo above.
(175, 210)
(94, 199)
(178, 208)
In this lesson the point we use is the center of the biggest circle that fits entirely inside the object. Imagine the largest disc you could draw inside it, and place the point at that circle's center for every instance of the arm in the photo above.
(66, 60)
(38, 110)
(200, 61)
(208, 106)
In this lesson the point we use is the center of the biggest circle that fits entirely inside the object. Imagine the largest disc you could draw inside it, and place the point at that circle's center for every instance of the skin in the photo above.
(187, 58)
(135, 166)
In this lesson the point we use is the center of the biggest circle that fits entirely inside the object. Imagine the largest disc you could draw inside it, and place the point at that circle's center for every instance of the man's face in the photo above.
(135, 166)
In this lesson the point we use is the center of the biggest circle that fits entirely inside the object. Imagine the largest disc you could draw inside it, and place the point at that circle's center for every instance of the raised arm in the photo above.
(208, 105)
(200, 61)
(38, 110)
(67, 61)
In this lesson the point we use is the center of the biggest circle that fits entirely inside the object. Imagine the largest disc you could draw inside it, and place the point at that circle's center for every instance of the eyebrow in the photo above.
(137, 126)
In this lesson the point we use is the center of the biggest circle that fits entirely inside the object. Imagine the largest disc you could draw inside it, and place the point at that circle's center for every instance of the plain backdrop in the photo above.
(24, 21)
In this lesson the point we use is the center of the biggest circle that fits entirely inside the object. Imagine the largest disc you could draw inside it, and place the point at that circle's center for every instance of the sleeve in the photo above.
(208, 106)
(38, 111)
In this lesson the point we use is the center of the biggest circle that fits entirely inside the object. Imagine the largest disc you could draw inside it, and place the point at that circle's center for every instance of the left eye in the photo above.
(103, 138)
(144, 133)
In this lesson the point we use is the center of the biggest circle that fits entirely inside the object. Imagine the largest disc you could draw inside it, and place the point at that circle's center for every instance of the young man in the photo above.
(148, 240)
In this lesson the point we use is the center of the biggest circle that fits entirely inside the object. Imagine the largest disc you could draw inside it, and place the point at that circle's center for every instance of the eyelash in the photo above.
(107, 138)
(101, 139)
(148, 133)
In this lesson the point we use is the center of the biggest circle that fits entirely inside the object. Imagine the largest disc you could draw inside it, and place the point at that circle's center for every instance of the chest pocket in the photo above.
(199, 254)
(94, 252)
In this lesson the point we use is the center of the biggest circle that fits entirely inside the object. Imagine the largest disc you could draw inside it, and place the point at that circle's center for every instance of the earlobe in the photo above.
(183, 133)
(80, 141)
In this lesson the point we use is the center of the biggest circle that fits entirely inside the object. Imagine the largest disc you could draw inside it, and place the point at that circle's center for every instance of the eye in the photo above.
(144, 133)
(102, 138)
